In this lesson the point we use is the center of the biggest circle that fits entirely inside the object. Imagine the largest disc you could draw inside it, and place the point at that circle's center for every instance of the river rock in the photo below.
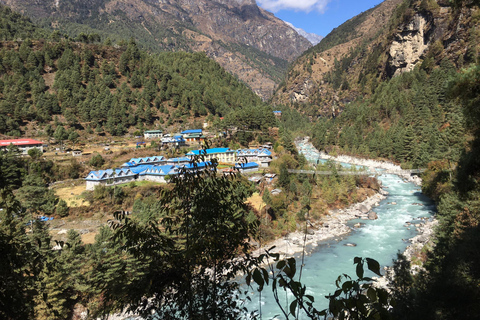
(372, 215)
(422, 239)
(362, 208)
(350, 244)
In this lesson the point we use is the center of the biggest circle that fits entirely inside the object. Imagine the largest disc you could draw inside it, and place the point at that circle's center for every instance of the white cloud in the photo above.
(297, 5)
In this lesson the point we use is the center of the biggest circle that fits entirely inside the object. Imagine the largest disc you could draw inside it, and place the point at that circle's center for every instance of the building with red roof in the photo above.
(23, 144)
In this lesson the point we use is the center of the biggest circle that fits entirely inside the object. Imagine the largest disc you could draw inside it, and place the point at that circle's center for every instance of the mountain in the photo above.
(306, 82)
(51, 81)
(392, 38)
(246, 40)
(312, 37)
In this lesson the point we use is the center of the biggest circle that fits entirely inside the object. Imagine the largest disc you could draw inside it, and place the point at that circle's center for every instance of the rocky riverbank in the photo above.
(333, 225)
(425, 229)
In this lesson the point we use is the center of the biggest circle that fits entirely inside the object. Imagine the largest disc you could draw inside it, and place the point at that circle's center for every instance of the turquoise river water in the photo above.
(379, 239)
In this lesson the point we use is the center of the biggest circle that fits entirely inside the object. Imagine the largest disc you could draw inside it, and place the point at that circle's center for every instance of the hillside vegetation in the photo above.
(246, 40)
(375, 46)
(419, 115)
(47, 82)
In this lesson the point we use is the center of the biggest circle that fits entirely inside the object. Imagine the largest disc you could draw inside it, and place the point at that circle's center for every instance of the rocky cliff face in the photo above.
(410, 44)
(394, 37)
(307, 82)
(245, 39)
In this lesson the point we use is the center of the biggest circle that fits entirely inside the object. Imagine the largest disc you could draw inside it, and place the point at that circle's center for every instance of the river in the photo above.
(379, 239)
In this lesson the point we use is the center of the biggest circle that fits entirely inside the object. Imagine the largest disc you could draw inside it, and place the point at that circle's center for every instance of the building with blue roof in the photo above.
(193, 135)
(141, 172)
(157, 173)
(176, 140)
(146, 160)
(178, 161)
(245, 167)
(109, 177)
(192, 131)
(261, 155)
(196, 166)
(221, 154)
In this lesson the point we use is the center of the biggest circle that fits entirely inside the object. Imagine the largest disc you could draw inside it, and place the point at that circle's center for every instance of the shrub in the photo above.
(62, 208)
(97, 161)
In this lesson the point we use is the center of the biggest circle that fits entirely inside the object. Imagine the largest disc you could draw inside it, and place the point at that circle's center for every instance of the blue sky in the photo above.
(317, 16)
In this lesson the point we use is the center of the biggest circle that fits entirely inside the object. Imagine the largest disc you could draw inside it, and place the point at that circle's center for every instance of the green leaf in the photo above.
(357, 260)
(265, 275)
(290, 270)
(248, 279)
(347, 285)
(293, 307)
(359, 270)
(372, 294)
(373, 266)
(257, 277)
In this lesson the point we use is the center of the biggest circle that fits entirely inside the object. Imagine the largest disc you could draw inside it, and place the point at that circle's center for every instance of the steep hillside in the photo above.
(245, 39)
(47, 83)
(387, 97)
(383, 42)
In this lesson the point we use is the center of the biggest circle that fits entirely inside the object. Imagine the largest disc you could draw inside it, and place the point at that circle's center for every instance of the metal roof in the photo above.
(154, 170)
(197, 165)
(209, 151)
(109, 174)
(253, 152)
(19, 142)
(192, 131)
(146, 160)
(247, 165)
(176, 160)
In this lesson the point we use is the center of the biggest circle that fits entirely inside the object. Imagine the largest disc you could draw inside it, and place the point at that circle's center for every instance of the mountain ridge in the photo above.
(312, 37)
(394, 37)
(216, 27)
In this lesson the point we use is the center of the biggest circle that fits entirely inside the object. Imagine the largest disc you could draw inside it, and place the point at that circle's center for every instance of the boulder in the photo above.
(363, 208)
(372, 215)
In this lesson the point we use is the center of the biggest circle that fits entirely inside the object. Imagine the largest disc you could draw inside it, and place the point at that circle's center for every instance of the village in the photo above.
(158, 168)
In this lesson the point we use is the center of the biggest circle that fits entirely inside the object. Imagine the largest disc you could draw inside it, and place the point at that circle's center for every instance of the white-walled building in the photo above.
(23, 144)
(152, 134)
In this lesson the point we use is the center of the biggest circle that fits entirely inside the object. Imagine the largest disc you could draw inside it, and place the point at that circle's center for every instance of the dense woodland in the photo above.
(179, 246)
(408, 119)
(109, 90)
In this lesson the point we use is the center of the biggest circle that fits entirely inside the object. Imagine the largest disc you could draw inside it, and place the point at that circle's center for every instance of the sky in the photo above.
(317, 16)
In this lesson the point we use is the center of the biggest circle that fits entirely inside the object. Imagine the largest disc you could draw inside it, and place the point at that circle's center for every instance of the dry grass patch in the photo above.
(89, 238)
(71, 195)
(256, 201)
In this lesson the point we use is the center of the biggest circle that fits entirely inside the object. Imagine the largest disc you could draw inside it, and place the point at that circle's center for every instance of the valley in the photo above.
(149, 149)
